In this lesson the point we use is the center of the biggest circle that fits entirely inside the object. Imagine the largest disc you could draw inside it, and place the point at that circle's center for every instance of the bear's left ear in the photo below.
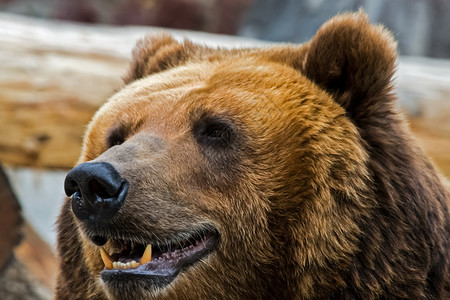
(157, 53)
(352, 60)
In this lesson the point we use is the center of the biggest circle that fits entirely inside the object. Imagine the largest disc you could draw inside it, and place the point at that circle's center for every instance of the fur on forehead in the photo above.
(348, 58)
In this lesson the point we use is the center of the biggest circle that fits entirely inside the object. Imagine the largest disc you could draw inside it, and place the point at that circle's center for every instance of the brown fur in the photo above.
(321, 194)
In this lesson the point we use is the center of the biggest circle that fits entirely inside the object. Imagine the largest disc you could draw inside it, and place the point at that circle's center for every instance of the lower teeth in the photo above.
(125, 266)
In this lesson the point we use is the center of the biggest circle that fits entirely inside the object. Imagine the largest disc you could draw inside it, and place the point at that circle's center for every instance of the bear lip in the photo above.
(168, 259)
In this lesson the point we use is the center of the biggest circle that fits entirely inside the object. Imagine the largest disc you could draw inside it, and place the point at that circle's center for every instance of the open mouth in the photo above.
(159, 263)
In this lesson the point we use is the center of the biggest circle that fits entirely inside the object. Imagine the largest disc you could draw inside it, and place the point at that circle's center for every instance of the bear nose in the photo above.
(97, 189)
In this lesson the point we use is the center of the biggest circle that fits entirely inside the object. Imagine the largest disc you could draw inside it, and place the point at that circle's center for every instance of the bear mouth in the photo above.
(156, 264)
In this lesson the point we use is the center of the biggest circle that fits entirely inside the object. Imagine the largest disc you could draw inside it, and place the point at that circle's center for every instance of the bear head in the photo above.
(283, 172)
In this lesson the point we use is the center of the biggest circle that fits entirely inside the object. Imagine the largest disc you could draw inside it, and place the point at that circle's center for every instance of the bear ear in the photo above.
(352, 60)
(157, 53)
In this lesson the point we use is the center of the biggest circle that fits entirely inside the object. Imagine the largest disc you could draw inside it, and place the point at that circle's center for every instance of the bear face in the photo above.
(282, 172)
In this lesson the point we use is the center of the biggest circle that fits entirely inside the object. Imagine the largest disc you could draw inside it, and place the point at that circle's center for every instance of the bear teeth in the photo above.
(125, 266)
(111, 264)
(107, 260)
(147, 256)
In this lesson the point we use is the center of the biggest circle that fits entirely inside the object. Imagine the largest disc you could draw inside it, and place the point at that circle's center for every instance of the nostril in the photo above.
(98, 189)
(70, 187)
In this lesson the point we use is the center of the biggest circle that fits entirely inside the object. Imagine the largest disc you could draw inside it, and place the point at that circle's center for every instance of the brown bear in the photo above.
(285, 172)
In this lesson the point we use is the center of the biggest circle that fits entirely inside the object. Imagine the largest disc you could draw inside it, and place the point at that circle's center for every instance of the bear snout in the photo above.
(98, 191)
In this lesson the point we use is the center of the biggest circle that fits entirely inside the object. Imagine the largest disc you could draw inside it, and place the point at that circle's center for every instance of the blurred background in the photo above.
(61, 59)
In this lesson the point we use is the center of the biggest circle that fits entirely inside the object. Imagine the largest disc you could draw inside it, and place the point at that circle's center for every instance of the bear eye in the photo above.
(217, 131)
(214, 132)
(116, 136)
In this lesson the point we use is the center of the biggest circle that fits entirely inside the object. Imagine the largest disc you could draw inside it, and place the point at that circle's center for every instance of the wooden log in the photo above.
(52, 80)
(55, 75)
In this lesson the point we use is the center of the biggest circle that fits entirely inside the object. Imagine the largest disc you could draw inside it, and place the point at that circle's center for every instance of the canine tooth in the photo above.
(147, 256)
(115, 265)
(107, 260)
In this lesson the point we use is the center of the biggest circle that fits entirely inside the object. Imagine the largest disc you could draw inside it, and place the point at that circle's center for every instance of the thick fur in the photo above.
(322, 193)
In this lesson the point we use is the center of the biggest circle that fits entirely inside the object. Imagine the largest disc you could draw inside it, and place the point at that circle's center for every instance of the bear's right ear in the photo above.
(353, 61)
(157, 53)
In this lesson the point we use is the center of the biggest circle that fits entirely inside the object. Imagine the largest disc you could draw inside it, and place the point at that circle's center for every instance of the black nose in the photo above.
(97, 189)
